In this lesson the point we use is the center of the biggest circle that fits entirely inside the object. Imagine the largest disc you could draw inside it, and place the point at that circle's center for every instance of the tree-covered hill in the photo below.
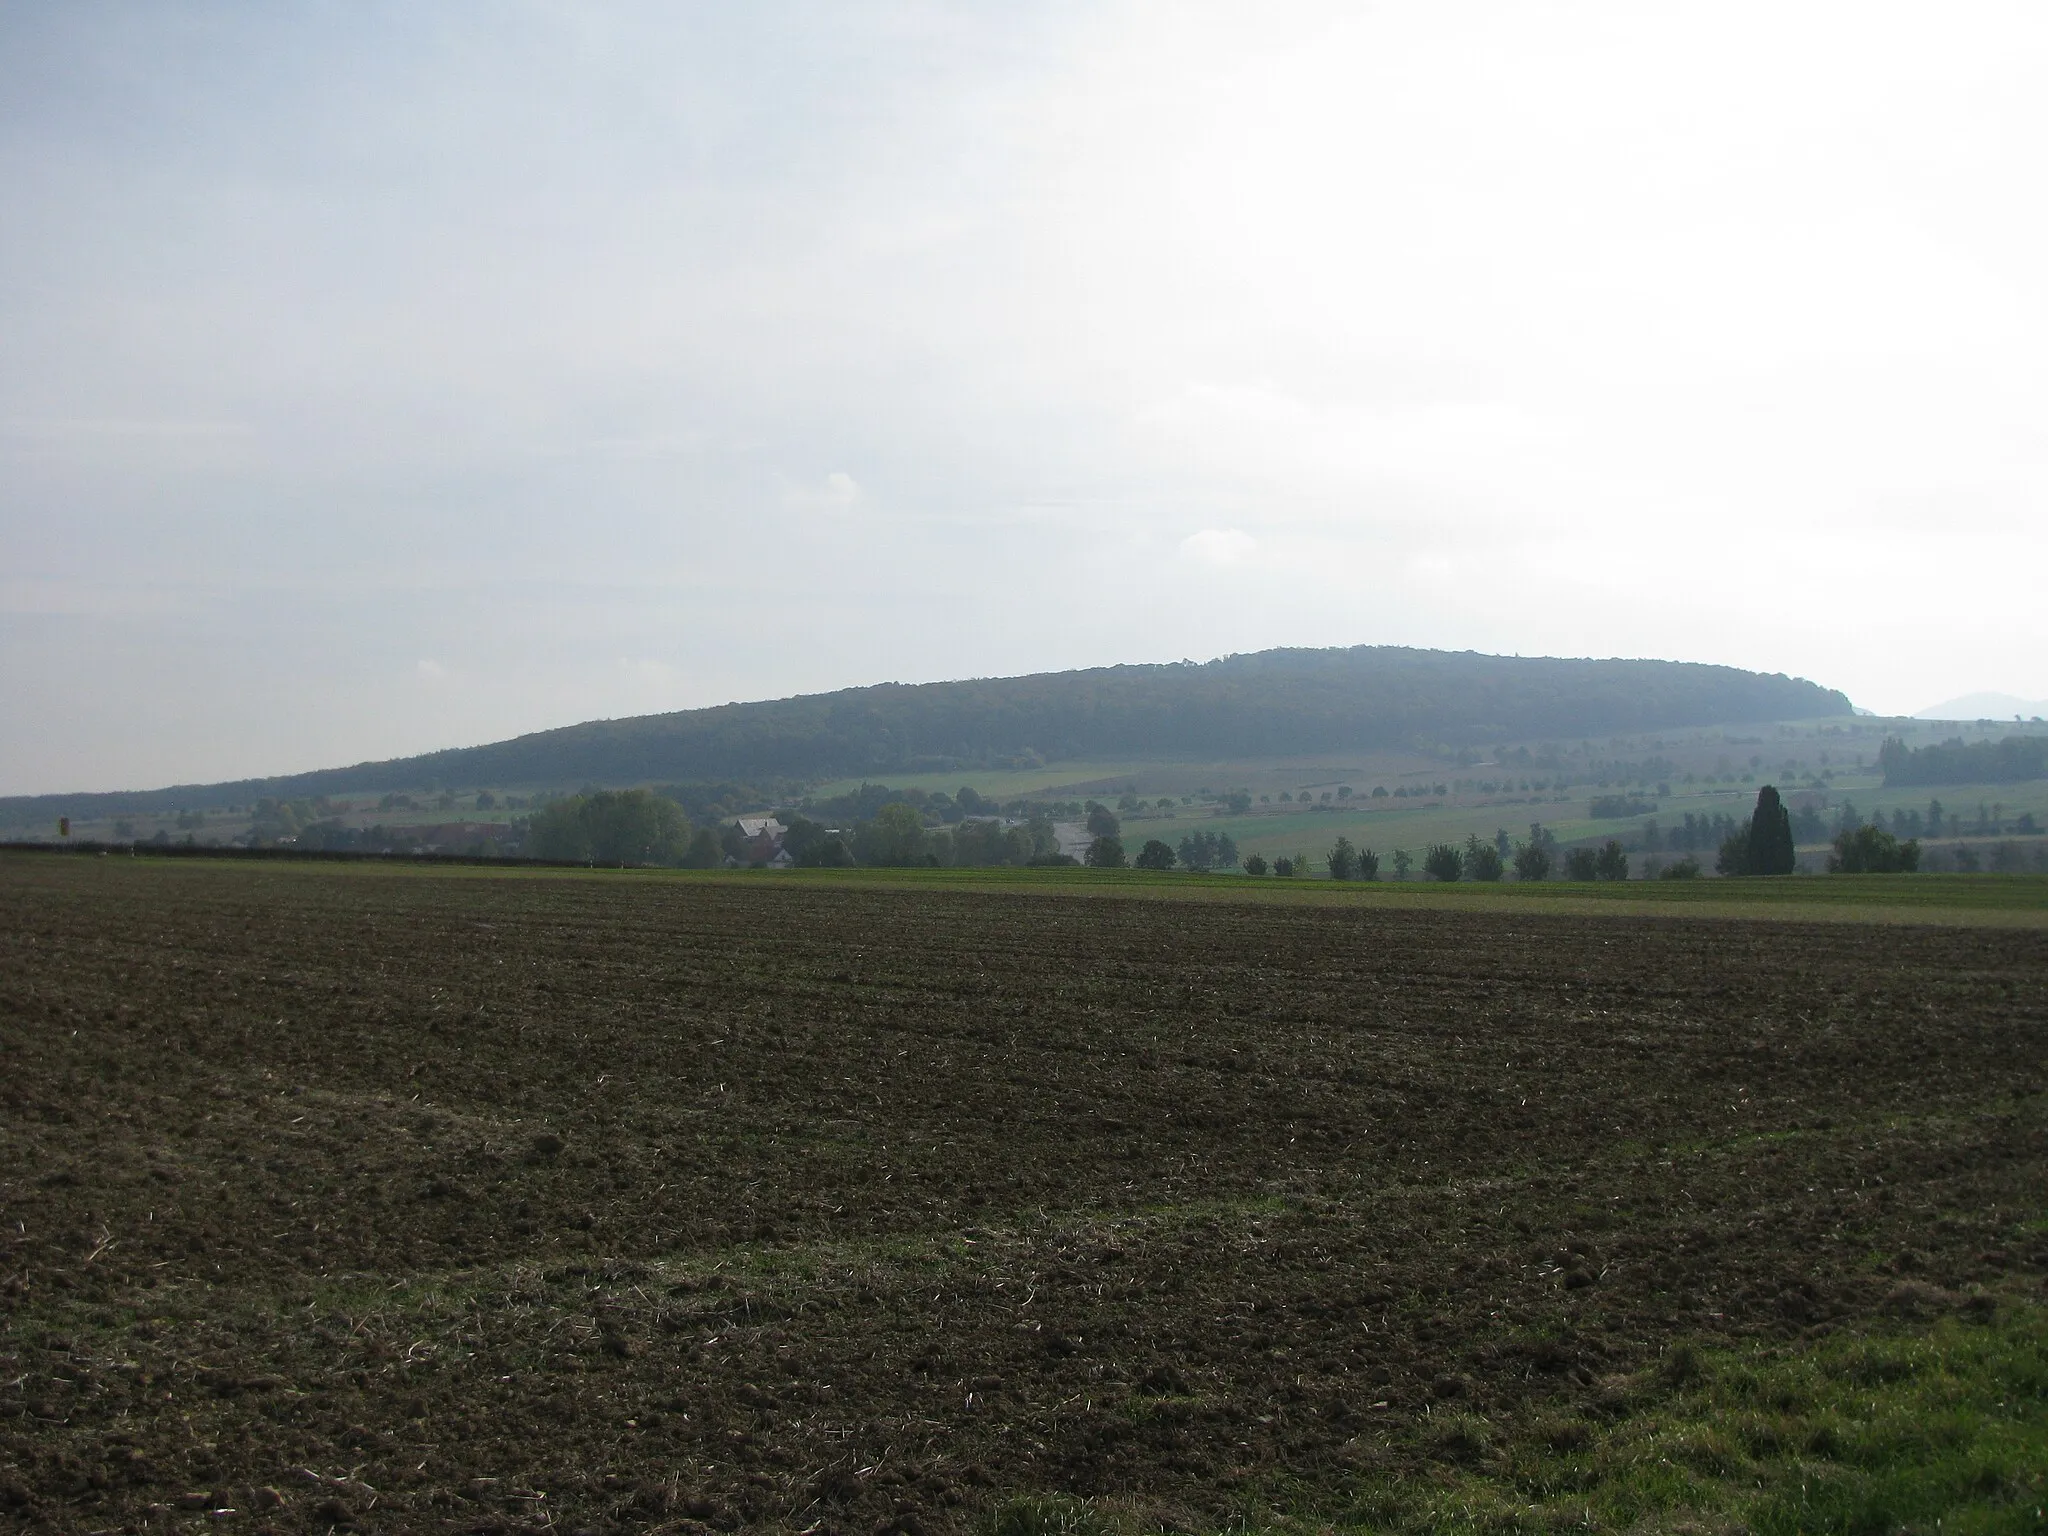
(1265, 704)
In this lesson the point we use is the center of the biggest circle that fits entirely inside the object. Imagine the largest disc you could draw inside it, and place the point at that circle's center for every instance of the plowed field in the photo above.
(385, 1200)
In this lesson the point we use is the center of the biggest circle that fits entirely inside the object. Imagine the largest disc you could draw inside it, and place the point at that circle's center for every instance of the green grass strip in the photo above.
(1940, 1430)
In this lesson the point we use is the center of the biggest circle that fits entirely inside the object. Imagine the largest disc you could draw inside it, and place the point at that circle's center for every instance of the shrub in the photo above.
(1687, 868)
(1368, 864)
(1343, 859)
(1532, 861)
(1611, 862)
(1107, 853)
(1871, 851)
(1581, 864)
(895, 836)
(628, 826)
(1443, 862)
(1154, 855)
(1484, 863)
(1255, 865)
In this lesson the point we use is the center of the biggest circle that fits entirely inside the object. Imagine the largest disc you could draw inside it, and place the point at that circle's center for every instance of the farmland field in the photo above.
(380, 1199)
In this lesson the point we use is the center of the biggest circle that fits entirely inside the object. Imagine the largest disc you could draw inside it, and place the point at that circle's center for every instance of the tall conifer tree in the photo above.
(1770, 835)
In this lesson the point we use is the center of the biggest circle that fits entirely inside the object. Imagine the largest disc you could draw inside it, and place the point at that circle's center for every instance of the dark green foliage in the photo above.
(815, 846)
(718, 802)
(629, 826)
(1368, 864)
(1269, 703)
(895, 836)
(1283, 868)
(1443, 861)
(1207, 850)
(1687, 868)
(1403, 862)
(1611, 807)
(1532, 861)
(1102, 821)
(1611, 862)
(1255, 865)
(1343, 859)
(980, 842)
(832, 853)
(1869, 850)
(1483, 860)
(1956, 762)
(1734, 856)
(1154, 855)
(1106, 853)
(1770, 836)
(1581, 864)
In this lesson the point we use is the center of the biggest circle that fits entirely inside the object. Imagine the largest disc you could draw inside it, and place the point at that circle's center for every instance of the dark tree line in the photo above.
(1958, 762)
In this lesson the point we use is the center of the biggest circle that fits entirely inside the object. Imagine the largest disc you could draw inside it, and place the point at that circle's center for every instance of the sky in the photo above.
(382, 377)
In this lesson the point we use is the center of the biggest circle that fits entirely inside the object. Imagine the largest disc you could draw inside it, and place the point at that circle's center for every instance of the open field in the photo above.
(376, 1198)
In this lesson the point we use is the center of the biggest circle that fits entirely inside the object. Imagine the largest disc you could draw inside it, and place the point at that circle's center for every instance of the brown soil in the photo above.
(390, 1201)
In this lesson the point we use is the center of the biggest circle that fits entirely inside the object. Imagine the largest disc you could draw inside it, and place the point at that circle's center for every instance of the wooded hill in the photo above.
(1276, 703)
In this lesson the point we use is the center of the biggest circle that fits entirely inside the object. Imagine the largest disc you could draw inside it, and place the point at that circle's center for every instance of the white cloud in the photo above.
(1219, 547)
(1470, 325)
(836, 495)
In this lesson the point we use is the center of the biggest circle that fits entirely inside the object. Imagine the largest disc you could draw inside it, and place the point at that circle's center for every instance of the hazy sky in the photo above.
(379, 378)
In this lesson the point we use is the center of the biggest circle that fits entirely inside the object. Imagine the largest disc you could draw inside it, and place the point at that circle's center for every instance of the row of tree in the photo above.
(1958, 762)
(636, 827)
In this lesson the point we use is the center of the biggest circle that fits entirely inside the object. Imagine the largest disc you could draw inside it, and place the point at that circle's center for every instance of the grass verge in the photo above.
(1943, 1429)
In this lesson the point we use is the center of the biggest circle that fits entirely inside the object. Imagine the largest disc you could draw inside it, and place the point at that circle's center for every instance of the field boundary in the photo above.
(1985, 901)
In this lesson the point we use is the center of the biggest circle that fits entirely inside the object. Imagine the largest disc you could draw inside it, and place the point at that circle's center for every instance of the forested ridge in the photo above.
(1266, 703)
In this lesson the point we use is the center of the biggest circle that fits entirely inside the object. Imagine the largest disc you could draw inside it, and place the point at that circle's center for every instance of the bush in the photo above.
(894, 837)
(1107, 853)
(1368, 864)
(1154, 855)
(1283, 867)
(628, 826)
(1614, 807)
(1581, 864)
(1611, 862)
(1869, 851)
(1687, 868)
(1734, 856)
(1532, 861)
(1255, 864)
(1484, 863)
(1343, 859)
(1443, 862)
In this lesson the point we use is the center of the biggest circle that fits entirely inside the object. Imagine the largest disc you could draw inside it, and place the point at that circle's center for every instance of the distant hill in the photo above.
(1266, 704)
(1985, 706)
